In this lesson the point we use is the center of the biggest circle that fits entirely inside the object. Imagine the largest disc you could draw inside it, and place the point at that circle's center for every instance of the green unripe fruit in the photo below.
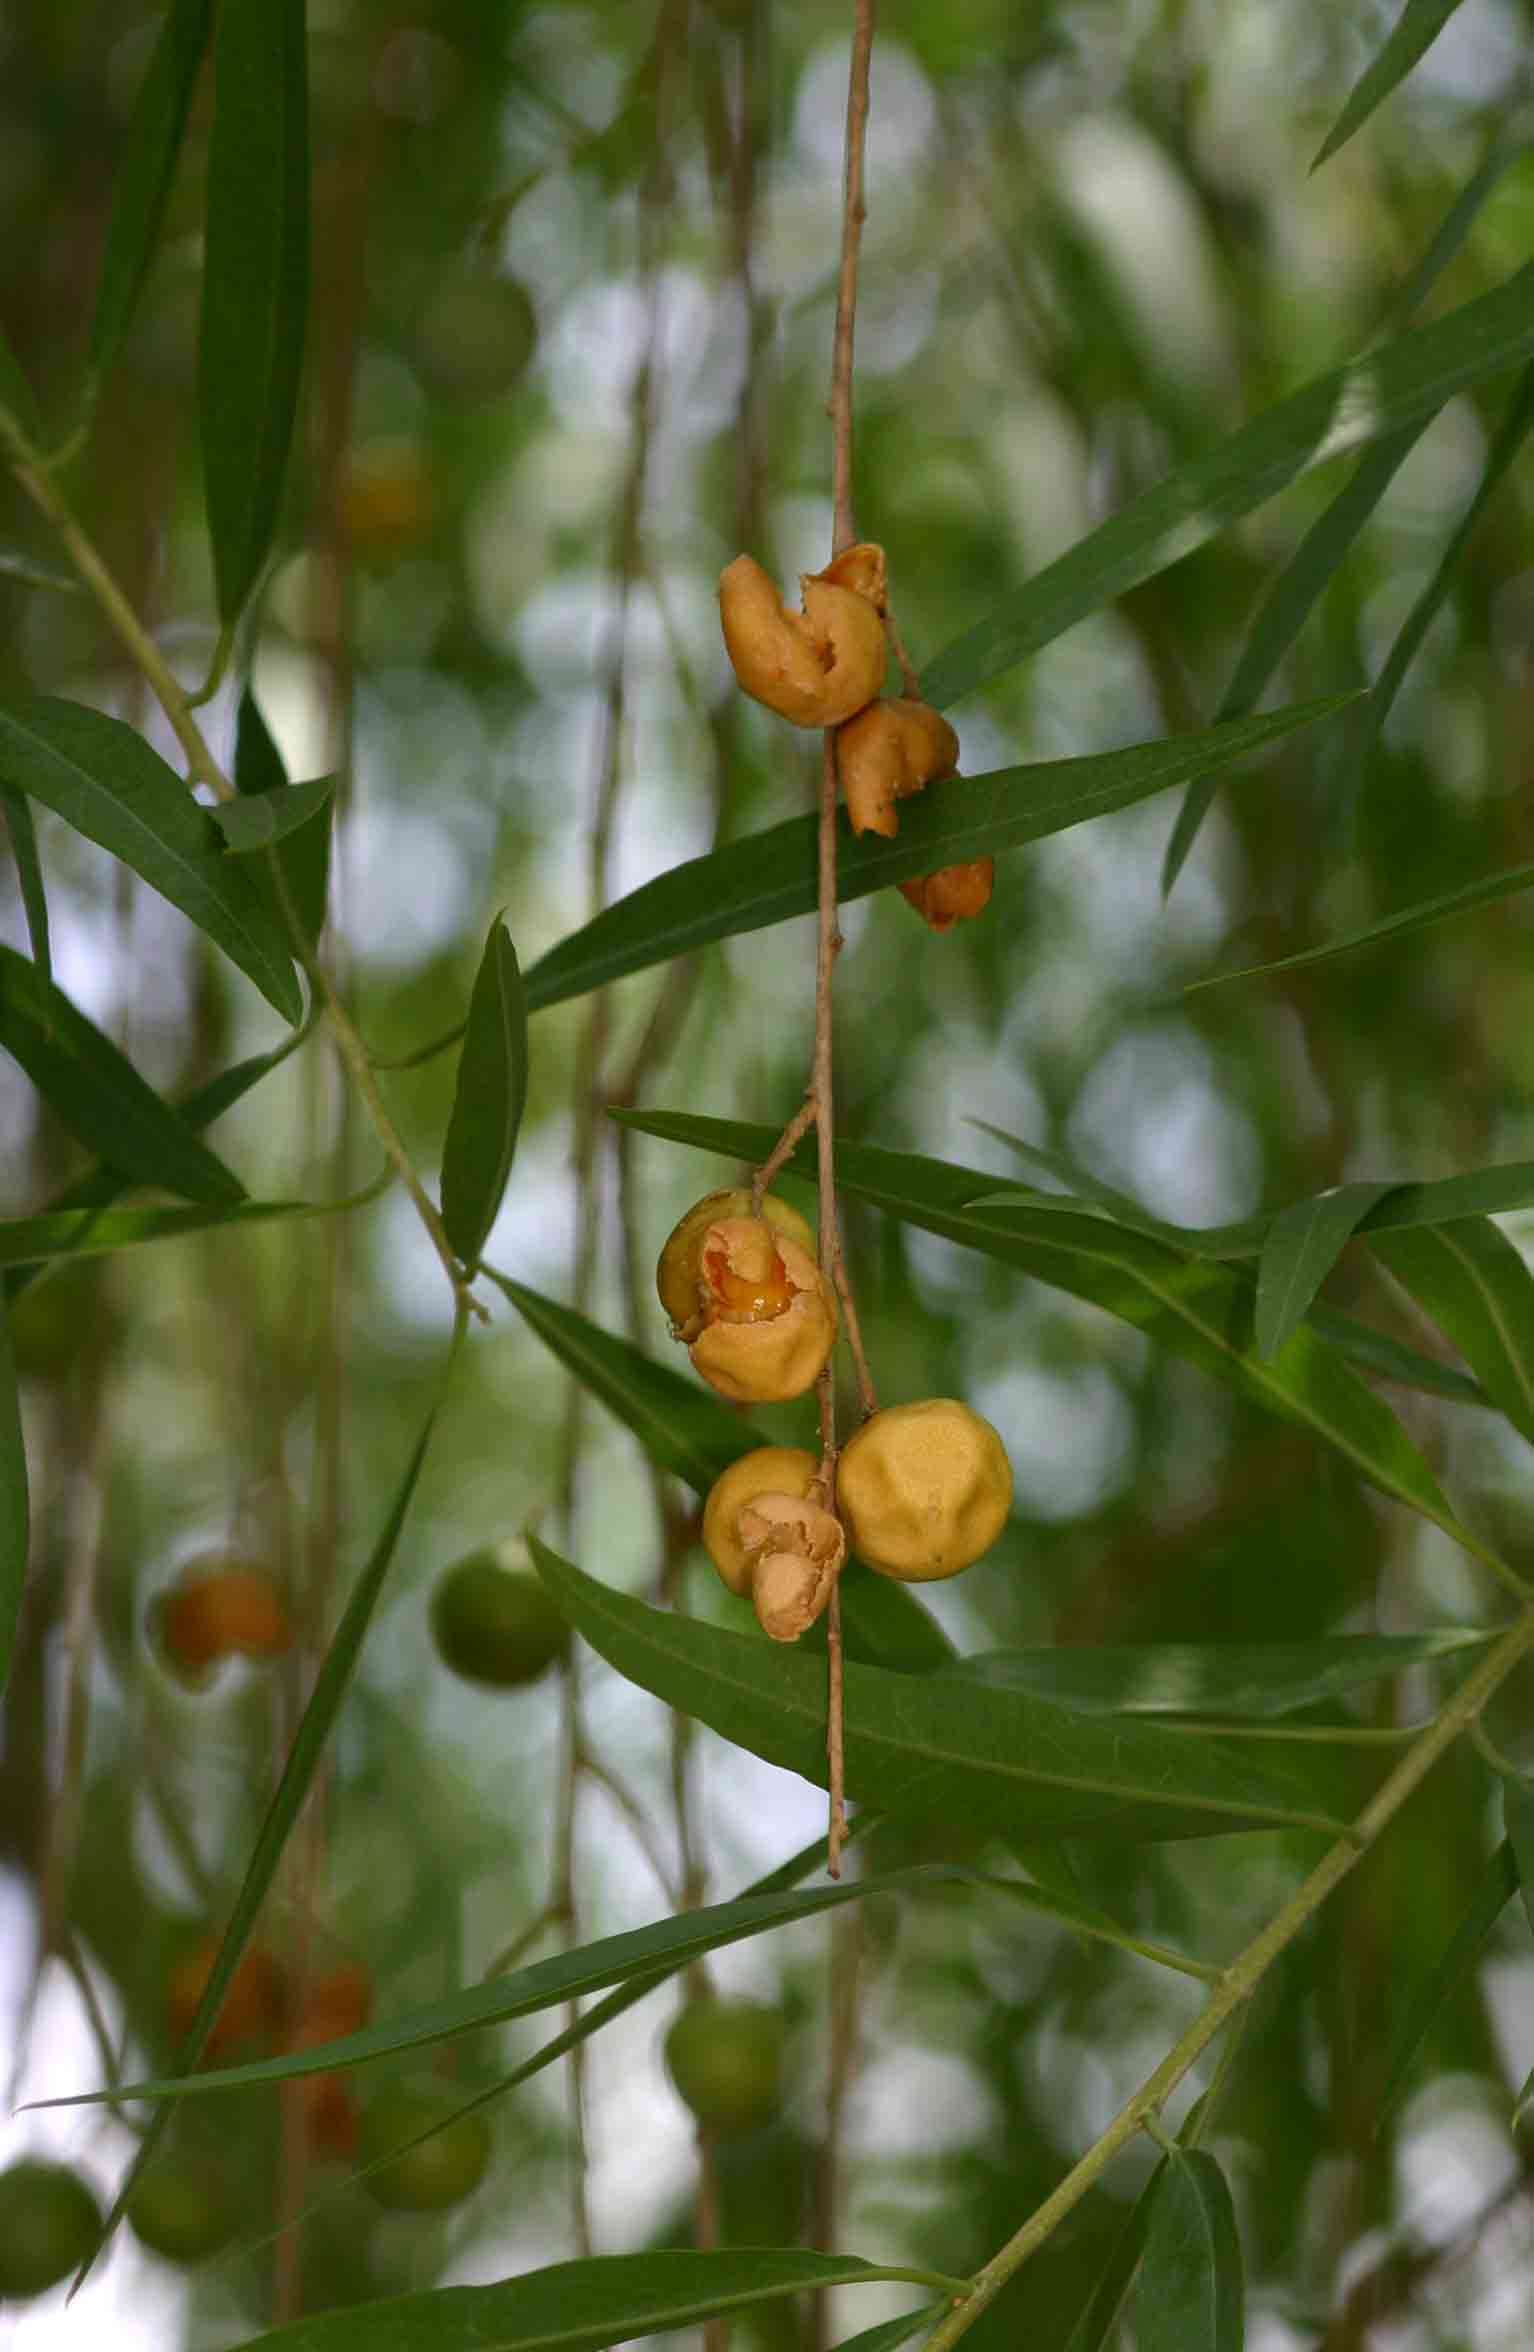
(495, 1625)
(726, 2060)
(442, 2171)
(181, 2210)
(49, 2222)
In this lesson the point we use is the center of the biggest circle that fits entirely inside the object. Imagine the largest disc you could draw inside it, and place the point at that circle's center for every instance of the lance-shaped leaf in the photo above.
(100, 1186)
(684, 1428)
(1419, 917)
(1418, 26)
(1389, 388)
(1303, 1244)
(1196, 1307)
(262, 819)
(892, 2333)
(95, 1233)
(769, 876)
(659, 1949)
(255, 281)
(1096, 2327)
(145, 173)
(96, 1092)
(287, 1802)
(586, 2306)
(1476, 1287)
(1190, 2295)
(934, 1744)
(1294, 594)
(14, 1515)
(104, 780)
(1228, 1679)
(29, 874)
(488, 1099)
(303, 850)
(1497, 1885)
(17, 399)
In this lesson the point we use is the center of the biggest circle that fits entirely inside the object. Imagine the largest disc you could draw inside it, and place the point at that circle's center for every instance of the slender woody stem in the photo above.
(1241, 1979)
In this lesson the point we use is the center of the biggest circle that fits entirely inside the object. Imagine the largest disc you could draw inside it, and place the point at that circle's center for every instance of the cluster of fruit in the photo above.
(824, 667)
(921, 1490)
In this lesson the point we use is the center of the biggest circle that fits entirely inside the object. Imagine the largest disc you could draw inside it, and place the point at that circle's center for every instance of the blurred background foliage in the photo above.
(567, 354)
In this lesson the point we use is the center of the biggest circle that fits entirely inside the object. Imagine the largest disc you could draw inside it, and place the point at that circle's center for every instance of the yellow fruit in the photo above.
(220, 1607)
(887, 752)
(768, 1320)
(924, 1489)
(767, 1538)
(819, 666)
(679, 1273)
(953, 894)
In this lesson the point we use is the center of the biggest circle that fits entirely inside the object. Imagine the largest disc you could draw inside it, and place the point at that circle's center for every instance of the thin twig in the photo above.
(1241, 1979)
(854, 213)
(783, 1150)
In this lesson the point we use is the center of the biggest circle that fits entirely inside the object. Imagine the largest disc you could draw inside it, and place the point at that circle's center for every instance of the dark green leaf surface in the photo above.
(1303, 1244)
(1418, 26)
(1510, 439)
(649, 1952)
(1375, 1351)
(14, 1514)
(303, 1759)
(96, 1092)
(1379, 394)
(29, 875)
(1518, 1820)
(145, 173)
(255, 281)
(17, 398)
(1094, 2330)
(574, 2306)
(262, 819)
(769, 876)
(95, 1233)
(488, 1099)
(104, 780)
(892, 2333)
(1472, 1281)
(681, 1425)
(932, 1744)
(303, 856)
(1190, 2294)
(1195, 1307)
(1257, 1679)
(1498, 1884)
(1400, 925)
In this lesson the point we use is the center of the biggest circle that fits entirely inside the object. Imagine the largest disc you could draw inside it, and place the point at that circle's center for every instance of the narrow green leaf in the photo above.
(145, 173)
(1497, 1885)
(685, 1429)
(314, 1729)
(1374, 1351)
(1475, 1285)
(1518, 1821)
(586, 2306)
(769, 876)
(489, 1098)
(29, 874)
(1417, 27)
(1232, 1679)
(933, 1744)
(649, 1952)
(262, 819)
(1303, 1244)
(892, 2333)
(1389, 388)
(302, 856)
(1094, 2329)
(14, 1514)
(18, 401)
(95, 1233)
(1400, 925)
(681, 1425)
(96, 1092)
(1195, 1307)
(1511, 435)
(1191, 2291)
(98, 1187)
(255, 281)
(104, 780)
